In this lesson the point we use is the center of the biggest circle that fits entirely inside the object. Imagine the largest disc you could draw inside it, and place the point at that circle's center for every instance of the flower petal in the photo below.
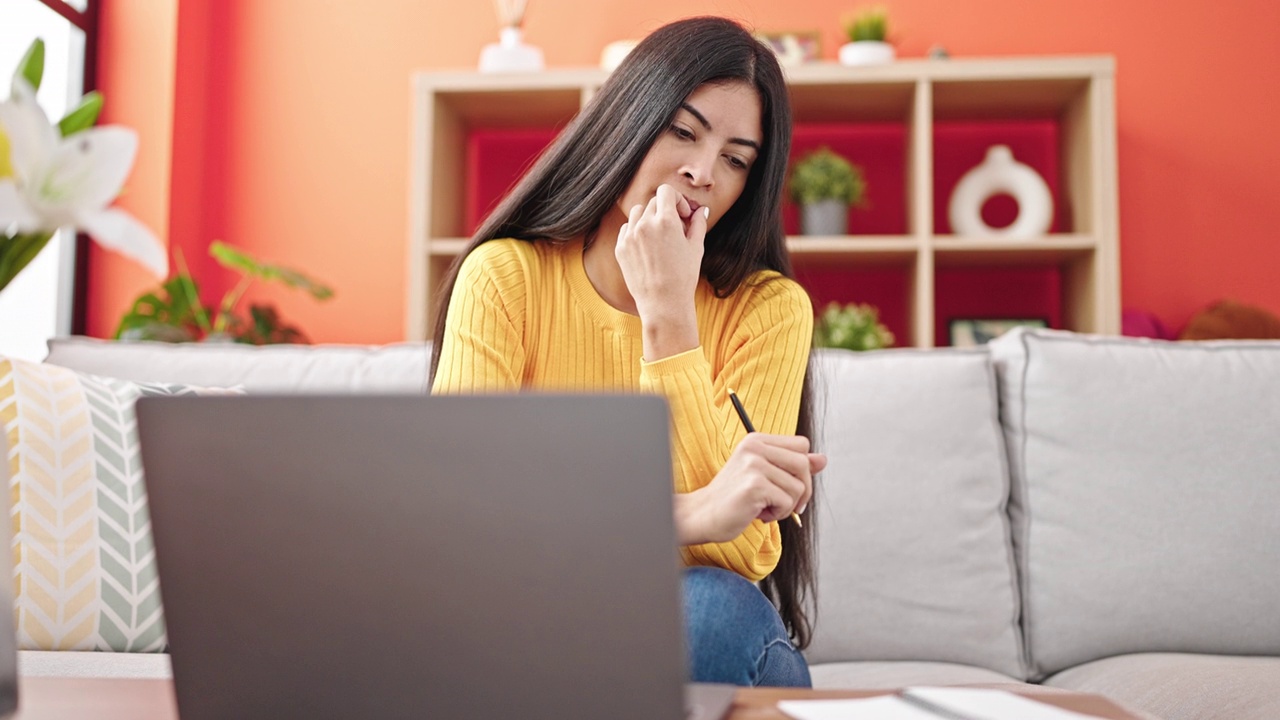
(32, 138)
(117, 230)
(86, 170)
(14, 210)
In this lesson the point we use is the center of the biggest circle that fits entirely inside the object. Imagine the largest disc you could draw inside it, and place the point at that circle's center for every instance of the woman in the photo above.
(644, 251)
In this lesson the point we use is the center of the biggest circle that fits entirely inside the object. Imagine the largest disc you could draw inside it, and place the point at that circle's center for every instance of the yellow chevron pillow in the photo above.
(83, 564)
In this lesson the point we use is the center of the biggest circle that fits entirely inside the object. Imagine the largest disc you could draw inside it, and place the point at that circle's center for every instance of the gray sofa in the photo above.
(1086, 513)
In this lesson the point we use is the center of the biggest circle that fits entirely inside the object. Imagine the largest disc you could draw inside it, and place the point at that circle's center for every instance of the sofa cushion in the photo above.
(400, 367)
(1146, 482)
(84, 568)
(879, 675)
(1176, 686)
(913, 552)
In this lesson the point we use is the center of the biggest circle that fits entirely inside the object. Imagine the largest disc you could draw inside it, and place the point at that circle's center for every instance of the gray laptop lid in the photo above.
(442, 557)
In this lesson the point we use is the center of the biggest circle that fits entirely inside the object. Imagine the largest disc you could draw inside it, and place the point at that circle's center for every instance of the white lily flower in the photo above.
(53, 182)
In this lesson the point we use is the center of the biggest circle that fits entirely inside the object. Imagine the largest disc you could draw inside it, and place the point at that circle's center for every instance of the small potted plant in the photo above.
(868, 44)
(825, 185)
(851, 327)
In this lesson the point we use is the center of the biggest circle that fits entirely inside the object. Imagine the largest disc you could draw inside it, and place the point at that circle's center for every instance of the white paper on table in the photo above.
(978, 704)
(883, 707)
(993, 704)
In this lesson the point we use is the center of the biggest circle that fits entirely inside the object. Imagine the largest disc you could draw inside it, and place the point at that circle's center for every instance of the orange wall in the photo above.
(305, 126)
(136, 76)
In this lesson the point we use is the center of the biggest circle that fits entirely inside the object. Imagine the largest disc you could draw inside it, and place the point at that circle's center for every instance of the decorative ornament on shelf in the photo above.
(63, 176)
(825, 185)
(1000, 173)
(868, 44)
(851, 327)
(510, 53)
(175, 313)
(794, 48)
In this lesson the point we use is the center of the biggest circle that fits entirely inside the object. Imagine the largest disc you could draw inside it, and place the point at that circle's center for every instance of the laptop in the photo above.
(413, 556)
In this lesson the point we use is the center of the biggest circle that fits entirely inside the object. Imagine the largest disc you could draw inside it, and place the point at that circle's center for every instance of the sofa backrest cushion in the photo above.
(914, 557)
(1146, 494)
(400, 367)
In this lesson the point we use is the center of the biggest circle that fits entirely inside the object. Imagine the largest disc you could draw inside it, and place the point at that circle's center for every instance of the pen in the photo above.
(746, 423)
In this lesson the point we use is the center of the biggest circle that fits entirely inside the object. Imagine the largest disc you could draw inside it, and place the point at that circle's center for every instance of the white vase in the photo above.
(825, 217)
(866, 52)
(1000, 173)
(510, 54)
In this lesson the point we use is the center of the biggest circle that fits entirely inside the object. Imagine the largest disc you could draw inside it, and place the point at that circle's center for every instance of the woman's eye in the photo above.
(681, 132)
(736, 162)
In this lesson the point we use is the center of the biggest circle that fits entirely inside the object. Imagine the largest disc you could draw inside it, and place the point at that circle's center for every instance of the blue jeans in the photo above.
(734, 633)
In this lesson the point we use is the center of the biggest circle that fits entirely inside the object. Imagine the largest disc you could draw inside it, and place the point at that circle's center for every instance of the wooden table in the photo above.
(129, 699)
(761, 703)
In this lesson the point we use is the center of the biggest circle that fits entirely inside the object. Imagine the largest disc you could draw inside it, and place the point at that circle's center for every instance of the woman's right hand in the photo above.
(767, 478)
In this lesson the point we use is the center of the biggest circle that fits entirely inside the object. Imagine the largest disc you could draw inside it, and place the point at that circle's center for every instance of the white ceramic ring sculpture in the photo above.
(1000, 173)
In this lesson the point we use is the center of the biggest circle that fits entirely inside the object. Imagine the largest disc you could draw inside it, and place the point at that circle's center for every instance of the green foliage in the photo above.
(230, 257)
(175, 313)
(83, 116)
(17, 251)
(851, 327)
(824, 175)
(31, 66)
(871, 24)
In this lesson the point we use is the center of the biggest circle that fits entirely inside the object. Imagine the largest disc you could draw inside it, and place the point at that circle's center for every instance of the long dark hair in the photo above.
(581, 175)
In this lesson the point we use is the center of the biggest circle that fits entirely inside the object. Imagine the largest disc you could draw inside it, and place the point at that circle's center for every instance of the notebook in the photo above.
(412, 556)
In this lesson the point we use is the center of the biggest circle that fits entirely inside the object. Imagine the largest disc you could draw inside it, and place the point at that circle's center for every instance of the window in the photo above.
(40, 302)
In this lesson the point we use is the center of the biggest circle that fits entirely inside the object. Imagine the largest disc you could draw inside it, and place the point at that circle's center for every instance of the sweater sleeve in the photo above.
(483, 348)
(765, 360)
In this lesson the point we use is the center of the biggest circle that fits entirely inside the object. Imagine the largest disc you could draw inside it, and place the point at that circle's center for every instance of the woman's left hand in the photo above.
(659, 251)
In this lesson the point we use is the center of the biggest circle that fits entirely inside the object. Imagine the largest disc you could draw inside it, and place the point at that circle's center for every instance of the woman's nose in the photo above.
(699, 170)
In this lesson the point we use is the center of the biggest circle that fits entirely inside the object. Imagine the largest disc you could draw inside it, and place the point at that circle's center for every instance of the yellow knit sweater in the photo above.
(525, 315)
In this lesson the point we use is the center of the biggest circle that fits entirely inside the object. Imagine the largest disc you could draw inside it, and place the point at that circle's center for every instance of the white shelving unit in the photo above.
(1077, 92)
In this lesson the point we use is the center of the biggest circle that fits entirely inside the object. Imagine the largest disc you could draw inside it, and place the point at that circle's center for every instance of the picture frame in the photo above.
(974, 332)
(794, 47)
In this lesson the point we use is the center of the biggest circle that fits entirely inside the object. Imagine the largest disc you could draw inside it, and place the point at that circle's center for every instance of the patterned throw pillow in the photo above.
(83, 563)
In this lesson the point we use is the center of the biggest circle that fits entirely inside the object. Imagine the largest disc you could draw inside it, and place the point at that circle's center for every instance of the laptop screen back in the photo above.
(387, 556)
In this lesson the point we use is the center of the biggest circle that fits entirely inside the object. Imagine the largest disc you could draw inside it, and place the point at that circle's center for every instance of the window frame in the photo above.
(87, 21)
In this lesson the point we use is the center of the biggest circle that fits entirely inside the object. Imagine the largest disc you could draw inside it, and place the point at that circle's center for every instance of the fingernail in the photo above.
(706, 212)
(802, 509)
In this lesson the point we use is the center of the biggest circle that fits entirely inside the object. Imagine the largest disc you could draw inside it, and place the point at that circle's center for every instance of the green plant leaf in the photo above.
(17, 251)
(235, 259)
(84, 116)
(265, 327)
(31, 66)
(872, 24)
(175, 306)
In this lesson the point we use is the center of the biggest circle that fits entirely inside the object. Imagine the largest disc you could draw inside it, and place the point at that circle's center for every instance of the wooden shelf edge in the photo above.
(470, 81)
(851, 244)
(906, 70)
(947, 243)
